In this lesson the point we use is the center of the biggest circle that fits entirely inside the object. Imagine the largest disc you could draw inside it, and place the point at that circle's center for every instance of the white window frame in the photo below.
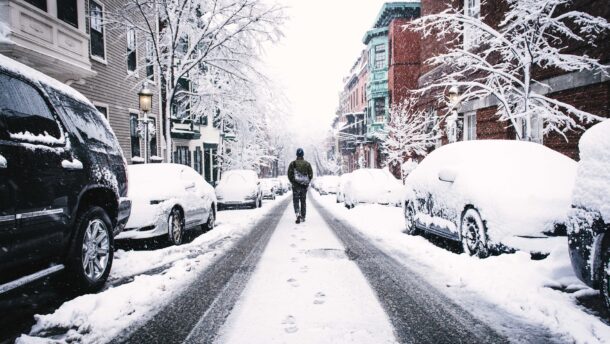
(95, 57)
(135, 43)
(472, 8)
(470, 126)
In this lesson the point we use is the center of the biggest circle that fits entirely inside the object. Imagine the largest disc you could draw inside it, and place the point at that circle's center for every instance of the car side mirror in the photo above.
(447, 175)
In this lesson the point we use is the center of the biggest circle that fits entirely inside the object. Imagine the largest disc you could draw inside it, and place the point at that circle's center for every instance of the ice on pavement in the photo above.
(305, 290)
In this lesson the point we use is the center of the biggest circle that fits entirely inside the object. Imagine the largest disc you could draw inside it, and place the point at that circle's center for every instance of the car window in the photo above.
(25, 114)
(89, 122)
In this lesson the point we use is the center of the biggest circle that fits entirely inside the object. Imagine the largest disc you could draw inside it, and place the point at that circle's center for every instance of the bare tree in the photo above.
(199, 41)
(500, 62)
(409, 133)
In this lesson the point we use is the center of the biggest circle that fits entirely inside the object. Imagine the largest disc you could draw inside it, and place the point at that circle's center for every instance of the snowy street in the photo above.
(328, 280)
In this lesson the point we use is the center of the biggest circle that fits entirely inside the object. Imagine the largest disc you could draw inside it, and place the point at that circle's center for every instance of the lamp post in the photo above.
(452, 120)
(145, 97)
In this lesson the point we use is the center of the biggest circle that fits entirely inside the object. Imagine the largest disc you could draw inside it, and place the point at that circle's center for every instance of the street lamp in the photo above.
(145, 97)
(454, 100)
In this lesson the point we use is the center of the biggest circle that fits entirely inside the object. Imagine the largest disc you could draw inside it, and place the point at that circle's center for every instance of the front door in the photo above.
(34, 148)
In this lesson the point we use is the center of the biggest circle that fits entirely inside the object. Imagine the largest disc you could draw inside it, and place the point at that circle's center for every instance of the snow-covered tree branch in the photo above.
(197, 44)
(410, 133)
(502, 62)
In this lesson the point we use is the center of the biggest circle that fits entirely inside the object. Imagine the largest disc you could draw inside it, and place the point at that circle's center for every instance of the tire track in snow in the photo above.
(419, 312)
(197, 314)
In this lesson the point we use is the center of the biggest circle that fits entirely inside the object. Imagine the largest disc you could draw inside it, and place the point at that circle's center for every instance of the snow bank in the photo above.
(514, 283)
(519, 188)
(592, 186)
(98, 318)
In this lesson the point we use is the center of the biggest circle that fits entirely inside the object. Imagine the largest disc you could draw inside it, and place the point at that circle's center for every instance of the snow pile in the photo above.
(496, 289)
(519, 188)
(44, 138)
(98, 318)
(592, 186)
(75, 164)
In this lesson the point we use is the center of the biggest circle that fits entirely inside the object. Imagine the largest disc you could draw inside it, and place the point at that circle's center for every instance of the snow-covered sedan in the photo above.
(371, 185)
(268, 188)
(182, 201)
(239, 188)
(589, 219)
(327, 184)
(490, 194)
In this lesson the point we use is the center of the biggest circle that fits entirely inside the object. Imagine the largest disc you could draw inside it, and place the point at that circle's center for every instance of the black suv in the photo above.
(63, 182)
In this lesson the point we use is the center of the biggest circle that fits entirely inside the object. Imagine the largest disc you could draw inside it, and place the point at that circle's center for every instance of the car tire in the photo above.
(90, 258)
(473, 234)
(605, 274)
(410, 227)
(175, 227)
(211, 222)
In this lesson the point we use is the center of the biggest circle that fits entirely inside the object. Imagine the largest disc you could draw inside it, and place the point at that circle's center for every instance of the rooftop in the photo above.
(390, 11)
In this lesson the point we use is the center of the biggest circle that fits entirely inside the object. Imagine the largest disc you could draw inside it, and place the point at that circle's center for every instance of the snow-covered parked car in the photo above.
(490, 194)
(63, 182)
(341, 187)
(327, 184)
(589, 219)
(285, 184)
(239, 188)
(183, 201)
(268, 187)
(371, 185)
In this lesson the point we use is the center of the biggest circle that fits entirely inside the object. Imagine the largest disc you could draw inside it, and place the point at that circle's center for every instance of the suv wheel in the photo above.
(175, 225)
(473, 233)
(92, 252)
(605, 274)
(410, 218)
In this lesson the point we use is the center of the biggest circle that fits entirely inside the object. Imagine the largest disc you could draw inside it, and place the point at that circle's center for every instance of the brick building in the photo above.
(584, 90)
(388, 68)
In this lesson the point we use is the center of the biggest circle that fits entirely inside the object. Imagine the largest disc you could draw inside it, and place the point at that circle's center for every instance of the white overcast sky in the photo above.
(322, 40)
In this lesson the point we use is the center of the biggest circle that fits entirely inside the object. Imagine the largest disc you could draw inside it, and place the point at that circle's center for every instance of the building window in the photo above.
(131, 50)
(197, 160)
(472, 9)
(182, 156)
(150, 58)
(96, 23)
(103, 110)
(380, 56)
(42, 4)
(152, 136)
(470, 126)
(379, 110)
(133, 133)
(67, 11)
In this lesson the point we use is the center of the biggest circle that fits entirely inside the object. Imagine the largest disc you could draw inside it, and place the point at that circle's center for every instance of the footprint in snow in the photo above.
(290, 324)
(303, 239)
(293, 245)
(293, 282)
(319, 298)
(304, 269)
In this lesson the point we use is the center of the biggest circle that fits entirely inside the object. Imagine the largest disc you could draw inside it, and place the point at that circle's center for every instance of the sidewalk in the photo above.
(305, 290)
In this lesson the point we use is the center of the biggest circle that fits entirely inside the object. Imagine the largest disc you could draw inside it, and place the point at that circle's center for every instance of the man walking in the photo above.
(299, 174)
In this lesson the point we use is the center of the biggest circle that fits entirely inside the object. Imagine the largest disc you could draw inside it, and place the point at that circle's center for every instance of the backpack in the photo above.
(300, 178)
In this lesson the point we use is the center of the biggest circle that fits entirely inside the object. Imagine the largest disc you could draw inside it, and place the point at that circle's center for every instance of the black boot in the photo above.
(298, 220)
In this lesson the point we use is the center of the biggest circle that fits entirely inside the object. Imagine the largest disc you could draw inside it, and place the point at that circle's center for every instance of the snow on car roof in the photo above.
(32, 74)
(245, 173)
